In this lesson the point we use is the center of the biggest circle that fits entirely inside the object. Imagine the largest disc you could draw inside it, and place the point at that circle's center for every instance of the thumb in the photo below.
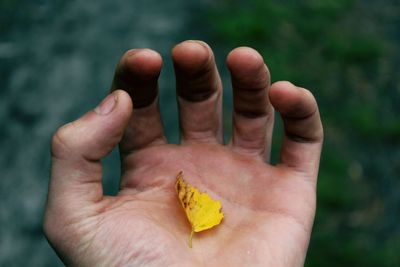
(78, 147)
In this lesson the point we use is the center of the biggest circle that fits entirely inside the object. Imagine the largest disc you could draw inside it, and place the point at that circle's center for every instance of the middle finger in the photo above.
(199, 92)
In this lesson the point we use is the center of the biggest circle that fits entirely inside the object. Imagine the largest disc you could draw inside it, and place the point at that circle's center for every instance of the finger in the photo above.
(137, 73)
(78, 147)
(302, 144)
(253, 115)
(199, 93)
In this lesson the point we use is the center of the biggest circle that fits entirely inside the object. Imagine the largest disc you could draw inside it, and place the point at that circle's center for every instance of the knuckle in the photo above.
(60, 142)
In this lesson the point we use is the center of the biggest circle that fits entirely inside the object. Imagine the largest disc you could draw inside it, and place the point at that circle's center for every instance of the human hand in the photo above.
(269, 210)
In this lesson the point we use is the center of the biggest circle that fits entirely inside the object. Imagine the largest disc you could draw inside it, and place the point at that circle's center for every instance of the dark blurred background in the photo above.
(57, 60)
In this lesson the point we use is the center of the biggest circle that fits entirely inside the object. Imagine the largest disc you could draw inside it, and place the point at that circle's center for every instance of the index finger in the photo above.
(137, 73)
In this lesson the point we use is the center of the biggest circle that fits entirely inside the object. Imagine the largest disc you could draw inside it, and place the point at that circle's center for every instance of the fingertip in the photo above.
(116, 122)
(282, 92)
(145, 63)
(137, 73)
(197, 77)
(299, 111)
(244, 59)
(282, 85)
(119, 100)
(292, 101)
(191, 55)
(123, 100)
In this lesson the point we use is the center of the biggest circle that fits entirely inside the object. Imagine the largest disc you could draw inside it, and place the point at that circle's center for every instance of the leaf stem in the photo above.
(190, 238)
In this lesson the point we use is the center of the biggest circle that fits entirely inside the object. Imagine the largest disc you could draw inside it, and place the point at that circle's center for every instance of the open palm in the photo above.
(268, 210)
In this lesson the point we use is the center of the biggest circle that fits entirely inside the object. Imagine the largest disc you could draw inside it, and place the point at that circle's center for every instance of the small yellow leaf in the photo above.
(201, 210)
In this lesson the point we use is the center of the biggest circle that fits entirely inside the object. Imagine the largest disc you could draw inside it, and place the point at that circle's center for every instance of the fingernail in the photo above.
(107, 105)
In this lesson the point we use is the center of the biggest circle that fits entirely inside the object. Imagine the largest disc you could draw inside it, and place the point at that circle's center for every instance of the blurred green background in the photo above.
(57, 60)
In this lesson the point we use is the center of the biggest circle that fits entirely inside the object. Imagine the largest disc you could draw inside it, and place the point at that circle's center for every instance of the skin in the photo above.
(269, 210)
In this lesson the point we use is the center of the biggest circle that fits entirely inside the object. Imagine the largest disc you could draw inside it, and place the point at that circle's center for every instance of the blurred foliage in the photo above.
(337, 50)
(22, 14)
